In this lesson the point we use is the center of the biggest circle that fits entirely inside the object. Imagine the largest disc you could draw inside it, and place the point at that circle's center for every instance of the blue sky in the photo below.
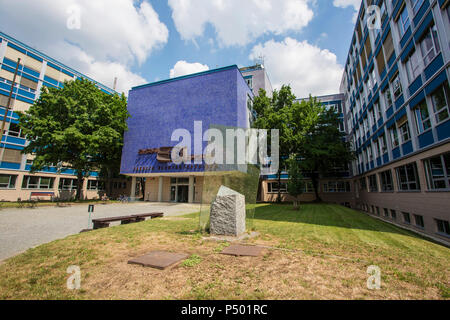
(304, 42)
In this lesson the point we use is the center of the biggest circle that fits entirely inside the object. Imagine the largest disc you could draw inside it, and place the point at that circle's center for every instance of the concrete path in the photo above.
(21, 229)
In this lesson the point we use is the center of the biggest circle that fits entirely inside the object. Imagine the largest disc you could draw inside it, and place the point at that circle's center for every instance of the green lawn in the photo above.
(319, 252)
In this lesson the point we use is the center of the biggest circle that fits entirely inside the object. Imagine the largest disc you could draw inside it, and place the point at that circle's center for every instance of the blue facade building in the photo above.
(219, 97)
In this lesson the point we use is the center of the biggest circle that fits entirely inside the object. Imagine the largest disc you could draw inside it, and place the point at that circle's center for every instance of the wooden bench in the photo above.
(141, 217)
(104, 222)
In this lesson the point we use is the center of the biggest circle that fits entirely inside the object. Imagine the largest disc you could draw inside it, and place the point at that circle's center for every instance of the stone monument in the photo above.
(227, 217)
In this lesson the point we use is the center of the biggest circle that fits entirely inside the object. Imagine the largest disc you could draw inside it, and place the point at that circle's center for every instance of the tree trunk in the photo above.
(315, 182)
(79, 185)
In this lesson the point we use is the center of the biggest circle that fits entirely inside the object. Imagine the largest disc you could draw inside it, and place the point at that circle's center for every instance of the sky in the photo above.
(304, 43)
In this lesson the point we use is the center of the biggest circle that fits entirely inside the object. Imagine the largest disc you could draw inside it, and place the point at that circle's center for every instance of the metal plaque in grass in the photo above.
(240, 250)
(159, 259)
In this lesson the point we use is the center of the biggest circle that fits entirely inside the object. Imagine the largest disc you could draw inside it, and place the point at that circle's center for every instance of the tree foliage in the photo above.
(79, 127)
(307, 129)
(296, 183)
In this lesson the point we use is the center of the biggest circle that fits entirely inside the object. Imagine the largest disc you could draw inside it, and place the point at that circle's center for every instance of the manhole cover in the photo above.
(239, 250)
(159, 259)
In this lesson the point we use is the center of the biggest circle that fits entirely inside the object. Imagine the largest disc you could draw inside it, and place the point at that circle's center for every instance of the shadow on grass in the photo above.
(330, 215)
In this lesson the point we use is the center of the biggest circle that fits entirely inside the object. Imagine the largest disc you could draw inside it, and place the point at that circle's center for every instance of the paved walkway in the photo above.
(21, 229)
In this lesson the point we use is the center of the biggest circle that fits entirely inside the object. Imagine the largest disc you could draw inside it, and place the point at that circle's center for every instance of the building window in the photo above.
(388, 97)
(273, 187)
(386, 181)
(96, 185)
(393, 214)
(363, 184)
(7, 181)
(408, 179)
(429, 45)
(373, 186)
(15, 131)
(394, 137)
(406, 217)
(308, 187)
(403, 21)
(413, 66)
(416, 4)
(438, 172)
(34, 182)
(249, 82)
(336, 186)
(68, 184)
(378, 211)
(419, 221)
(386, 212)
(422, 117)
(397, 87)
(381, 145)
(403, 127)
(443, 227)
(441, 98)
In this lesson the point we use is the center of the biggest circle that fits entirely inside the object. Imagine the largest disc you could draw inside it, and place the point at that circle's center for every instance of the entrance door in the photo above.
(183, 194)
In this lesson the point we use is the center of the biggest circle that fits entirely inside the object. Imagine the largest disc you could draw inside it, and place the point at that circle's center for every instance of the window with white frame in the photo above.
(403, 21)
(413, 66)
(397, 87)
(35, 182)
(7, 181)
(381, 145)
(96, 185)
(441, 99)
(387, 97)
(249, 82)
(373, 186)
(308, 187)
(422, 117)
(429, 45)
(416, 4)
(408, 178)
(377, 109)
(403, 127)
(443, 227)
(68, 184)
(336, 186)
(370, 152)
(438, 172)
(394, 137)
(15, 131)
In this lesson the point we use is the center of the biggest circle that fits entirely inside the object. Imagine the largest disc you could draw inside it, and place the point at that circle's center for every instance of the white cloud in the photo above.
(239, 22)
(114, 35)
(356, 4)
(182, 68)
(307, 68)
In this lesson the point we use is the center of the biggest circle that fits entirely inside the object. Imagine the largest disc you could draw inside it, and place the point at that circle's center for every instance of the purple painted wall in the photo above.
(216, 97)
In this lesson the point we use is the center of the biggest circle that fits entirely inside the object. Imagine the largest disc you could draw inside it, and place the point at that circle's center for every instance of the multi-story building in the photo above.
(257, 78)
(397, 100)
(193, 104)
(35, 71)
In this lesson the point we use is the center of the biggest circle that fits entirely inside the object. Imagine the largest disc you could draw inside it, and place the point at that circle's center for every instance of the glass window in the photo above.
(7, 181)
(429, 45)
(386, 212)
(406, 217)
(394, 137)
(404, 131)
(386, 181)
(416, 4)
(68, 184)
(407, 176)
(441, 100)
(443, 226)
(413, 66)
(393, 214)
(95, 185)
(373, 186)
(381, 145)
(419, 221)
(438, 172)
(35, 182)
(422, 117)
(387, 97)
(273, 187)
(397, 87)
(403, 21)
(363, 184)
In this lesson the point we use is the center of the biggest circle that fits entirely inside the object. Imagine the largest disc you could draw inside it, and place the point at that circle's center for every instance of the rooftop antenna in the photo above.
(261, 59)
(115, 84)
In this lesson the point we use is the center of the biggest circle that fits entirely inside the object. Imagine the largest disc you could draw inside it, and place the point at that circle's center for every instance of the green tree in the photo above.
(79, 127)
(325, 150)
(296, 184)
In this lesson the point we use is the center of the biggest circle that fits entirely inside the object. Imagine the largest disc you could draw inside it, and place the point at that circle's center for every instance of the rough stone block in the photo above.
(228, 213)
